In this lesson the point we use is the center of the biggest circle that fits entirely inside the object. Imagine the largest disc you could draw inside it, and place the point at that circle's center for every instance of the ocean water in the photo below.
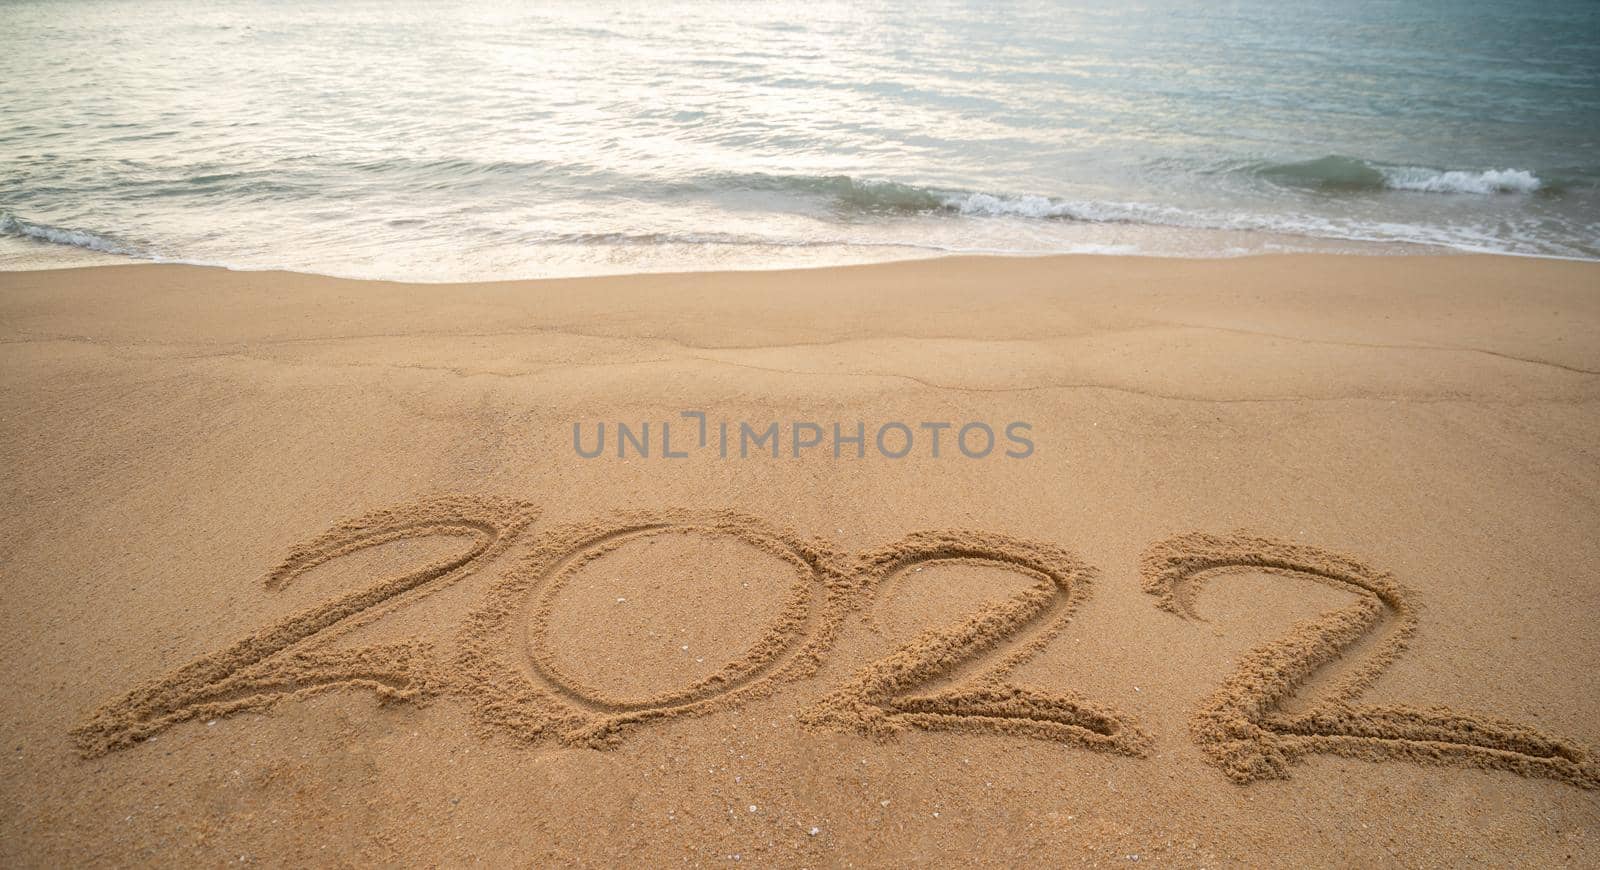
(479, 140)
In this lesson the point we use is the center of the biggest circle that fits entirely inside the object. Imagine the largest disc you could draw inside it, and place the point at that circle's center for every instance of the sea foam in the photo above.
(1461, 181)
(11, 225)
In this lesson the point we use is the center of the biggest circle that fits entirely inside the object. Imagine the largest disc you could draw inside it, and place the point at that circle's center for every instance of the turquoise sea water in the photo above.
(475, 140)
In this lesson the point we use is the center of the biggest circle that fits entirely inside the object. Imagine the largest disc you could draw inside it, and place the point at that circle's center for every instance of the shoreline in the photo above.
(125, 260)
(997, 260)
(58, 256)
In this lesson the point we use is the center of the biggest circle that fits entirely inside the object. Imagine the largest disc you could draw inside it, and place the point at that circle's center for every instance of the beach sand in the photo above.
(1301, 567)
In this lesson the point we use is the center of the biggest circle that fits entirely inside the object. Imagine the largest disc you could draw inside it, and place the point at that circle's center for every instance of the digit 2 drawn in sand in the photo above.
(291, 658)
(881, 699)
(1242, 727)
(517, 686)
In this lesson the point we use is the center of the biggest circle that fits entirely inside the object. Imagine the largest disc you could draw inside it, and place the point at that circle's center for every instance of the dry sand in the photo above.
(1301, 568)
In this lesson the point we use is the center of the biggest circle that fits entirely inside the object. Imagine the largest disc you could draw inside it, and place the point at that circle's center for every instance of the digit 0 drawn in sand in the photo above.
(290, 659)
(880, 700)
(1243, 728)
(516, 685)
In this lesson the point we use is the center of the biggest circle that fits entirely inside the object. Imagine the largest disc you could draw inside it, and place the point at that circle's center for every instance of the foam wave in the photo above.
(11, 225)
(1026, 206)
(1336, 172)
(846, 213)
(852, 196)
(1458, 181)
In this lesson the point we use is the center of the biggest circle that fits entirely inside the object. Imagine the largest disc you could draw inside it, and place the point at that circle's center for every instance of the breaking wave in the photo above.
(1338, 173)
(11, 225)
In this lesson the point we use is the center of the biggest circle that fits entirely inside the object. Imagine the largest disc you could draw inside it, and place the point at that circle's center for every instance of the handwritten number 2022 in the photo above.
(1272, 711)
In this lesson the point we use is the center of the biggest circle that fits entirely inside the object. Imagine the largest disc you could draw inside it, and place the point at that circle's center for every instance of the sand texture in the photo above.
(1298, 566)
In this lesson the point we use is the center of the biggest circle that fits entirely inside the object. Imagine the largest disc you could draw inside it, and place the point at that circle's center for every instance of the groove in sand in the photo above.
(879, 700)
(1243, 727)
(290, 658)
(516, 686)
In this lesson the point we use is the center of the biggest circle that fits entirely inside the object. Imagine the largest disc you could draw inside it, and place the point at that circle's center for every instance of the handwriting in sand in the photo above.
(1271, 712)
